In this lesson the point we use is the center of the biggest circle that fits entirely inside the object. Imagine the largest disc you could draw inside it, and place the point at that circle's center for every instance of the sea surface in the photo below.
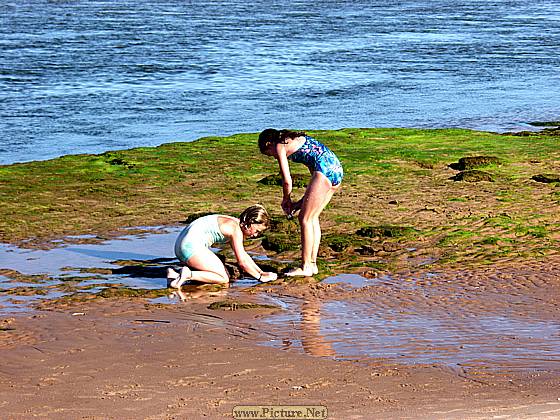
(87, 76)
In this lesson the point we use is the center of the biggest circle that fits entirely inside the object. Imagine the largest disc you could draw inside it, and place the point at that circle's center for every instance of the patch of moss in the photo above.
(456, 237)
(387, 231)
(24, 291)
(24, 278)
(473, 162)
(280, 242)
(230, 305)
(284, 225)
(473, 176)
(123, 292)
(298, 180)
(342, 242)
(117, 159)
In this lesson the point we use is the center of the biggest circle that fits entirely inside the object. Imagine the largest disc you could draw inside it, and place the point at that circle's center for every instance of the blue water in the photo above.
(90, 76)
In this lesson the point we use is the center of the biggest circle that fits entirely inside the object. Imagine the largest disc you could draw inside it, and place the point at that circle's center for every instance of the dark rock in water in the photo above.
(551, 131)
(545, 123)
(467, 163)
(233, 270)
(298, 181)
(387, 231)
(473, 176)
(547, 179)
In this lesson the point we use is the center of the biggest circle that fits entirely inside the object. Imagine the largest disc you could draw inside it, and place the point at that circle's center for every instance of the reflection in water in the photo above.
(312, 340)
(421, 321)
(199, 292)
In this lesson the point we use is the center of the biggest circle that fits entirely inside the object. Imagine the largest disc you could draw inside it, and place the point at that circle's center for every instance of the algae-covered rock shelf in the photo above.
(406, 179)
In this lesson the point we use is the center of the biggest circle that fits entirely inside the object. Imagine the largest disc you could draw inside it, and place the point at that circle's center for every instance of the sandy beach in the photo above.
(126, 358)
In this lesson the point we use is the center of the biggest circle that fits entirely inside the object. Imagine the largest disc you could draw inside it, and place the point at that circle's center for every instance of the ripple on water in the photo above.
(359, 329)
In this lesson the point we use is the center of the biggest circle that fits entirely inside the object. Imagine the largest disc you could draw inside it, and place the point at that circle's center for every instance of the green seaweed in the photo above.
(387, 231)
(123, 292)
(473, 176)
(393, 177)
(231, 305)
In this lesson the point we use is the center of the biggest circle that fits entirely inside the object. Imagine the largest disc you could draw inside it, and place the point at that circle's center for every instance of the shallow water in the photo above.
(136, 261)
(405, 331)
(416, 320)
(97, 75)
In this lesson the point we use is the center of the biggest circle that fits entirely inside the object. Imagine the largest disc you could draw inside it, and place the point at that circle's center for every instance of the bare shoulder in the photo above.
(228, 225)
(294, 144)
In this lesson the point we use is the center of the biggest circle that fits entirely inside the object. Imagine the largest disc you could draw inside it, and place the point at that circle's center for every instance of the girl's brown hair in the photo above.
(254, 215)
(272, 136)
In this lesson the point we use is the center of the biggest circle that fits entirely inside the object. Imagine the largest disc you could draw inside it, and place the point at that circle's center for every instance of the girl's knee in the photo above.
(304, 219)
(223, 278)
(307, 219)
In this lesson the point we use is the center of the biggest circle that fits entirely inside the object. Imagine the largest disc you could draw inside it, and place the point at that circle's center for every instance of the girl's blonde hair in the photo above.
(254, 215)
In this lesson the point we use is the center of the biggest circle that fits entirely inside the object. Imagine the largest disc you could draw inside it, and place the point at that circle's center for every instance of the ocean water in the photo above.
(86, 76)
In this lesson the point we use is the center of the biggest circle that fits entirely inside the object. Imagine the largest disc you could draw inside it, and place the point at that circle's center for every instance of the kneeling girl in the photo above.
(201, 264)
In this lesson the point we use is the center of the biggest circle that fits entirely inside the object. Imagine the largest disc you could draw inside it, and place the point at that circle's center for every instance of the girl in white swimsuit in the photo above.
(201, 264)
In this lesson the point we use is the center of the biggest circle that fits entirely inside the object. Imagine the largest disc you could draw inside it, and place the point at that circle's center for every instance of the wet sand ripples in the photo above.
(495, 318)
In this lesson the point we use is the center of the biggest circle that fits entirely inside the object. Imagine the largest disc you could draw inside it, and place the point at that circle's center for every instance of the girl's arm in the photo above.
(286, 178)
(246, 263)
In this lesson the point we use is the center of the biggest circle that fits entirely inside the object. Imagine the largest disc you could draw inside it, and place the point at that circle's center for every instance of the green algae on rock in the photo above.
(472, 162)
(473, 176)
(298, 180)
(393, 176)
(123, 292)
(388, 231)
(230, 305)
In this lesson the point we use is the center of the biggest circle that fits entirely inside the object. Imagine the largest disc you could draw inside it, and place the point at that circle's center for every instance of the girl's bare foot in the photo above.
(301, 272)
(172, 276)
(178, 280)
(315, 268)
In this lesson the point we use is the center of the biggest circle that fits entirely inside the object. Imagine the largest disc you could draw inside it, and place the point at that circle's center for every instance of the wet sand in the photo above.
(364, 348)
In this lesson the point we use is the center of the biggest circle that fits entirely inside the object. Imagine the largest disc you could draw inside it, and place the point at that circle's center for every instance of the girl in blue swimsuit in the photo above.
(326, 177)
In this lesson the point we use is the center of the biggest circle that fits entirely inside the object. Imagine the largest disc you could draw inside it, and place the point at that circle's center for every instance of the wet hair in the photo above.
(272, 136)
(254, 215)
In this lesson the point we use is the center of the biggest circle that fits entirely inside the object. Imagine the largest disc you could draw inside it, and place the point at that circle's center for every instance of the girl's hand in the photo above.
(297, 206)
(287, 205)
(266, 277)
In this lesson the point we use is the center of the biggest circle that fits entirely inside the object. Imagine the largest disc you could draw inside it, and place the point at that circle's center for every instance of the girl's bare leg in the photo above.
(317, 196)
(207, 268)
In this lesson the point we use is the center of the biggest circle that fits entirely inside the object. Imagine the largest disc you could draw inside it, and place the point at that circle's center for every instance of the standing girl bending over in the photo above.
(326, 176)
(192, 247)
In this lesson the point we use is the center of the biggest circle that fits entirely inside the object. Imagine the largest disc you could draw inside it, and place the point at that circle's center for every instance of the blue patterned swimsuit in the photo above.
(318, 157)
